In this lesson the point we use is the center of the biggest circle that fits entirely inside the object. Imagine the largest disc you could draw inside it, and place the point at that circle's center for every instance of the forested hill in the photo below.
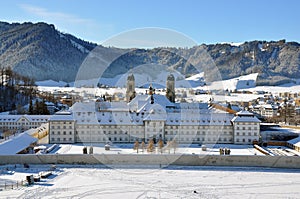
(41, 52)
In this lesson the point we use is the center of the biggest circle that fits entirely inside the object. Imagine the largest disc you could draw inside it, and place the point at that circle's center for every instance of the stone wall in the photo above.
(159, 160)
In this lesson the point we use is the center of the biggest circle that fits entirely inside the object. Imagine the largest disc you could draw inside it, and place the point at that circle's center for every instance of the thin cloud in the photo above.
(46, 14)
(70, 23)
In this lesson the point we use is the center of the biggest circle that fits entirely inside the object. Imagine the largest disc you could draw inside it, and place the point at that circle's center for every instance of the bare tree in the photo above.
(143, 146)
(160, 145)
(136, 146)
(150, 147)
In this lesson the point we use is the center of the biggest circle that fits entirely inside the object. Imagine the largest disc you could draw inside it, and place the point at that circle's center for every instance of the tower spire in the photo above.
(170, 93)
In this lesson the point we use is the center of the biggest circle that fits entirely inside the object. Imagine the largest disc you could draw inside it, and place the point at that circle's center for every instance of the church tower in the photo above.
(170, 93)
(130, 91)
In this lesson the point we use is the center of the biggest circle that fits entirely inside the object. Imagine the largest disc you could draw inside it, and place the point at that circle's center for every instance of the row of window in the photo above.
(64, 127)
(244, 128)
(246, 123)
(243, 140)
(63, 133)
(203, 139)
(199, 133)
(244, 134)
(120, 139)
(63, 139)
(60, 122)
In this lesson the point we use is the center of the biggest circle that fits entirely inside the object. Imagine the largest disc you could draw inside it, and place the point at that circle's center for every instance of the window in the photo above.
(58, 139)
(237, 133)
(64, 132)
(249, 140)
(64, 139)
(52, 139)
(70, 139)
(243, 140)
(70, 132)
(249, 134)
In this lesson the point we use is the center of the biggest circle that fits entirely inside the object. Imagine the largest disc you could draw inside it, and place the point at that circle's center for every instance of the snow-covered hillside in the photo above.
(158, 77)
(242, 82)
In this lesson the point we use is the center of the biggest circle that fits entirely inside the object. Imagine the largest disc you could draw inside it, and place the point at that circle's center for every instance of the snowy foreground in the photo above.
(148, 182)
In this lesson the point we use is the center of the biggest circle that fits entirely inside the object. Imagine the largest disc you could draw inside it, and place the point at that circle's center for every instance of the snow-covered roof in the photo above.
(16, 144)
(295, 141)
(84, 107)
(245, 116)
(143, 102)
(265, 106)
(61, 117)
(199, 119)
(30, 118)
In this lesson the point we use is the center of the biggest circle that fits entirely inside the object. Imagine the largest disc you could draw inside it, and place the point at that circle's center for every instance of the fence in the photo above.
(8, 185)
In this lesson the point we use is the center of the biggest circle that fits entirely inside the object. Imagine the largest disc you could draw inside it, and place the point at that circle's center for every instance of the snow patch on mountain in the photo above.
(242, 82)
(79, 47)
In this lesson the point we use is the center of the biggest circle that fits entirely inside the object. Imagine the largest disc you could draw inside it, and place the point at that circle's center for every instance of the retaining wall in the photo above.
(161, 160)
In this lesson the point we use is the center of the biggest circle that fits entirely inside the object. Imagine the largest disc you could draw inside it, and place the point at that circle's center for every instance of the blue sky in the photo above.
(205, 21)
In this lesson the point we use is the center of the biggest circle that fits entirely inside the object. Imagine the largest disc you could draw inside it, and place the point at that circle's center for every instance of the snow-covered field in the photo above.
(128, 149)
(245, 83)
(173, 182)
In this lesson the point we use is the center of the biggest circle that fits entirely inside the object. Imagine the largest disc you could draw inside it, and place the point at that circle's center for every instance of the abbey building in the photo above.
(152, 116)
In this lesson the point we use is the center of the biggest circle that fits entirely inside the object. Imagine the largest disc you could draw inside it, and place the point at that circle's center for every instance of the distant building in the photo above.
(20, 123)
(152, 116)
(265, 110)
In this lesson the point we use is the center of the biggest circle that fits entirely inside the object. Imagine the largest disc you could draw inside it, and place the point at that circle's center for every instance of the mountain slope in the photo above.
(40, 51)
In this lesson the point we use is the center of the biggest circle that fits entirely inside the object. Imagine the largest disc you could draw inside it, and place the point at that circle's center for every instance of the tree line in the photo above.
(16, 91)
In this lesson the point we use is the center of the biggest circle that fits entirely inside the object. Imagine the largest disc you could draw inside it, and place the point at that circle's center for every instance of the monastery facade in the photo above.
(152, 116)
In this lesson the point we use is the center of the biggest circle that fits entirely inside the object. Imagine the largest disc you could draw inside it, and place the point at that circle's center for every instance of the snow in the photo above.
(75, 181)
(292, 88)
(212, 149)
(51, 83)
(233, 43)
(16, 144)
(242, 82)
(79, 47)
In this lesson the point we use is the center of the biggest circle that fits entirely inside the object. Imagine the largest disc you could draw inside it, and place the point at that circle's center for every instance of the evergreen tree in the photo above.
(30, 111)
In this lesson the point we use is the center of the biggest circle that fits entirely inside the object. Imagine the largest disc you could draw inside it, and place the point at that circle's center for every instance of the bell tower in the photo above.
(130, 91)
(170, 93)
